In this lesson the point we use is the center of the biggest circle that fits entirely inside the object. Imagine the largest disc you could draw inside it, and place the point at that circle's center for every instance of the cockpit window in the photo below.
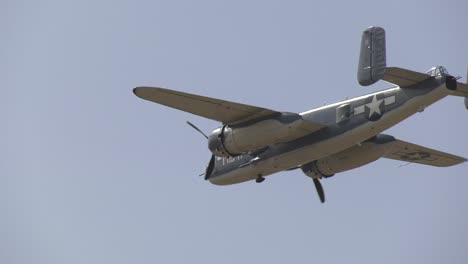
(443, 71)
(437, 71)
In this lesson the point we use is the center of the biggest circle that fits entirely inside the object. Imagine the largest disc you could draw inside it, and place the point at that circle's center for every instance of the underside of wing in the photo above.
(220, 110)
(409, 152)
(403, 77)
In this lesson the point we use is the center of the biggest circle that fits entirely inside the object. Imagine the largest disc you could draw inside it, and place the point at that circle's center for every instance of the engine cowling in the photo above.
(350, 158)
(230, 141)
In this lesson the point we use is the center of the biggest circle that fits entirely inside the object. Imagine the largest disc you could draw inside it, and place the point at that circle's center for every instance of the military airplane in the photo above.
(253, 142)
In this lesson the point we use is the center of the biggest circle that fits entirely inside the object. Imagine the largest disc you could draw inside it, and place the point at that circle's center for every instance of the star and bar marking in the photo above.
(374, 109)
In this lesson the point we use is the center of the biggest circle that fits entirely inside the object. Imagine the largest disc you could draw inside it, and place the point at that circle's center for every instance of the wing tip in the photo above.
(140, 91)
(456, 162)
(136, 91)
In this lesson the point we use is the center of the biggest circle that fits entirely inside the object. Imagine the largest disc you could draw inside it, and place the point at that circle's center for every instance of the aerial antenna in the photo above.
(403, 165)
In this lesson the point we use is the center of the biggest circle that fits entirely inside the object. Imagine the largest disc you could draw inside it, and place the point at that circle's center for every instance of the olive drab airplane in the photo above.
(253, 142)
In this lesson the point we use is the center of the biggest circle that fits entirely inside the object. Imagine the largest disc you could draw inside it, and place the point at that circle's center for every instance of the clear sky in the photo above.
(93, 174)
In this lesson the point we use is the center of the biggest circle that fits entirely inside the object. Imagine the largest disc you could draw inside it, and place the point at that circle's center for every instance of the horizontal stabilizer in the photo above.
(409, 152)
(461, 90)
(223, 111)
(403, 77)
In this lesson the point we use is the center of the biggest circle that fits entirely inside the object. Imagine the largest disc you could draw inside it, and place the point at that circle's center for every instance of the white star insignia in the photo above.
(374, 106)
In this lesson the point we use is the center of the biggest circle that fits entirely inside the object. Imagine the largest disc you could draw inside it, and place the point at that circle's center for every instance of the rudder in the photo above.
(372, 57)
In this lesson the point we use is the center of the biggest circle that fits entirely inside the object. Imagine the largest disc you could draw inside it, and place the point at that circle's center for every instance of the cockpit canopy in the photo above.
(438, 71)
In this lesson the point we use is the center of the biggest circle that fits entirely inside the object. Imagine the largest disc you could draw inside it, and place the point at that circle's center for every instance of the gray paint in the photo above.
(93, 175)
(372, 58)
(327, 116)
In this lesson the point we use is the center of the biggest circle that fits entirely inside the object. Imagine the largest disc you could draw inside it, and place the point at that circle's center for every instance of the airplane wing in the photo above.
(409, 152)
(223, 111)
(403, 77)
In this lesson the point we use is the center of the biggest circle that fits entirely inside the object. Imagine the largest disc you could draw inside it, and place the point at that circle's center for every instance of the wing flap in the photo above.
(403, 77)
(211, 108)
(310, 126)
(409, 152)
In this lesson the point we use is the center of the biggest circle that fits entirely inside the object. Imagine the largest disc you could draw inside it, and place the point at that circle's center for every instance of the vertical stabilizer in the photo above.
(466, 81)
(372, 58)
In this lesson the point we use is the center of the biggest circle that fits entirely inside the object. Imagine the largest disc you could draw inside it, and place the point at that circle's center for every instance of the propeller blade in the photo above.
(319, 188)
(197, 129)
(210, 167)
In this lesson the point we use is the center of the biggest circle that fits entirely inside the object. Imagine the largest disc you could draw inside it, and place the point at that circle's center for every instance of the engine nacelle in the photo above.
(230, 141)
(350, 158)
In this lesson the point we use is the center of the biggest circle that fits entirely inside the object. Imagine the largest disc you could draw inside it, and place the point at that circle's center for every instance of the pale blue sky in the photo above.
(93, 174)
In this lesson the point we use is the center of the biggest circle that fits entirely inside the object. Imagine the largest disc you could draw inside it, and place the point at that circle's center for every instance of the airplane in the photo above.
(254, 142)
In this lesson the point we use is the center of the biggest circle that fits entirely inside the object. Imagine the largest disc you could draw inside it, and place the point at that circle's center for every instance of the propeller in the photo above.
(318, 185)
(197, 129)
(211, 163)
(319, 188)
(210, 167)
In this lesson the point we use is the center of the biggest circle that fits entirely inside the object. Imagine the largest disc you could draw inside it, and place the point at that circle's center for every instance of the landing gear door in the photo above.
(372, 60)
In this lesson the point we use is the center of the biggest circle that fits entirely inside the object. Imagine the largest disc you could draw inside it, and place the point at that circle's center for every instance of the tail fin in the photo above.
(372, 58)
(372, 65)
(466, 81)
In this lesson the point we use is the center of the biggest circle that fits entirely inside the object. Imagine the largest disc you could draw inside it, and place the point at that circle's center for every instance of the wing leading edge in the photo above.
(226, 112)
(220, 110)
(409, 152)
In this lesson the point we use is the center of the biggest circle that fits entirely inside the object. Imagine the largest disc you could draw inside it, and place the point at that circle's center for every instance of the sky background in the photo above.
(93, 174)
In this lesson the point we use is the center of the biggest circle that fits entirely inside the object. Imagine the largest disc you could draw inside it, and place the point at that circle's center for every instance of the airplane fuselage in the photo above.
(254, 142)
(363, 118)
